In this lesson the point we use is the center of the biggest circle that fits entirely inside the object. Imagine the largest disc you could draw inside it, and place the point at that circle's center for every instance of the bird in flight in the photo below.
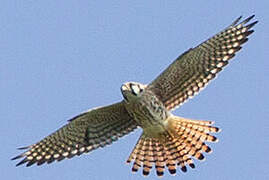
(168, 141)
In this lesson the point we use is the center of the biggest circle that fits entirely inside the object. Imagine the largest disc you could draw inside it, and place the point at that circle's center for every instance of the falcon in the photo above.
(168, 141)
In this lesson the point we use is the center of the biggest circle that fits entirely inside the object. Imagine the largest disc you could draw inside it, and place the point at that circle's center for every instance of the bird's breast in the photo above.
(149, 113)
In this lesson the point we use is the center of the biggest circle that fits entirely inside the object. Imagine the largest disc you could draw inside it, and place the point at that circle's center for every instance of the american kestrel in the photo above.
(167, 140)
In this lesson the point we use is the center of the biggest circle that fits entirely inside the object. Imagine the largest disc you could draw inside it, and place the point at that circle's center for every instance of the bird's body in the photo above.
(167, 140)
(177, 137)
(145, 108)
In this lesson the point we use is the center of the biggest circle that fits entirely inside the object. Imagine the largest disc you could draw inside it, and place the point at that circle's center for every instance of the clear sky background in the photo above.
(59, 58)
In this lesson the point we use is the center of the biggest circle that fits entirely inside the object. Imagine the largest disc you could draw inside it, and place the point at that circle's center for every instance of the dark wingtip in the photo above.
(249, 32)
(248, 19)
(252, 16)
(251, 24)
(17, 157)
(50, 160)
(244, 40)
(236, 21)
(22, 148)
(22, 162)
(40, 162)
(244, 21)
(30, 163)
(237, 48)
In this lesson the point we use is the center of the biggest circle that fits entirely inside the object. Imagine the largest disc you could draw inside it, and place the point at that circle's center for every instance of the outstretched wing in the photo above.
(192, 70)
(85, 132)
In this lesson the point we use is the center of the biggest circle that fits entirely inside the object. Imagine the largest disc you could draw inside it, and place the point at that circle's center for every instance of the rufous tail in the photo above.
(186, 140)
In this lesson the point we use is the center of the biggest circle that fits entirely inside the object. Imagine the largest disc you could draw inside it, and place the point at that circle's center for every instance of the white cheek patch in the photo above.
(136, 89)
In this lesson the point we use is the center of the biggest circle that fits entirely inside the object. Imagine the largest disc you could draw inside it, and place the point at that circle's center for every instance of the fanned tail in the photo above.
(185, 141)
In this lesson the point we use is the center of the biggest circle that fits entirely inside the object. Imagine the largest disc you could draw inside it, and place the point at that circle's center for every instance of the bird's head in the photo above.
(132, 90)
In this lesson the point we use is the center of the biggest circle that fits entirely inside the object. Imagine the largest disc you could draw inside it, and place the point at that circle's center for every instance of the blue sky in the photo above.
(59, 58)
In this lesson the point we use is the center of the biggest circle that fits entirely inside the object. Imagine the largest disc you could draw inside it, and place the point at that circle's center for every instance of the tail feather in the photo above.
(186, 141)
(159, 157)
(149, 158)
(170, 160)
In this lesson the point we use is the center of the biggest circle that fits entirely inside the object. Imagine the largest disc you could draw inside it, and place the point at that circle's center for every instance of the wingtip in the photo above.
(251, 24)
(30, 163)
(25, 147)
(236, 21)
(244, 21)
(21, 162)
(16, 157)
(250, 17)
